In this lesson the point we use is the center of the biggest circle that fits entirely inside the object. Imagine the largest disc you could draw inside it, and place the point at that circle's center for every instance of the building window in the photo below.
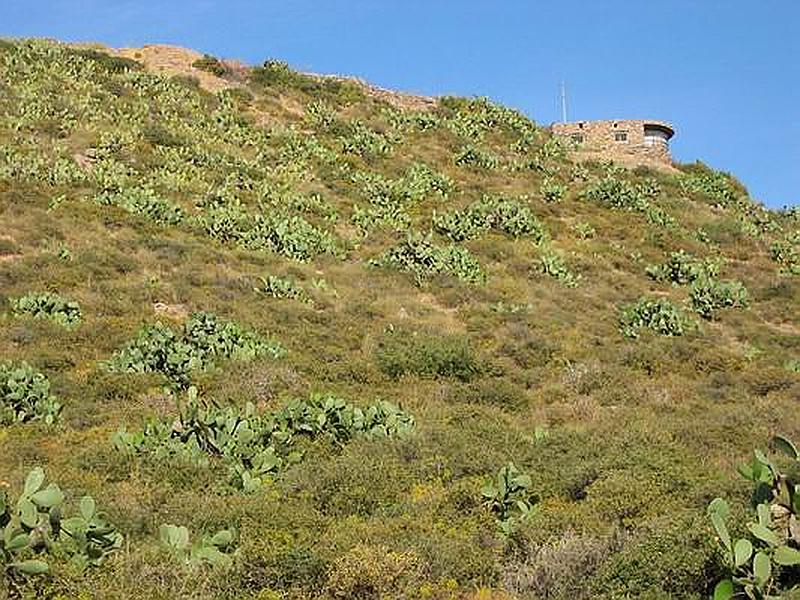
(577, 138)
(620, 136)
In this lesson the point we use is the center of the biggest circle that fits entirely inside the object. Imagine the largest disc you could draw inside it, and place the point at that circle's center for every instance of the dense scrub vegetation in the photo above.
(312, 343)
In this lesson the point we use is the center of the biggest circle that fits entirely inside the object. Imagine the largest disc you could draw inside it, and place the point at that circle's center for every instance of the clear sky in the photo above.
(726, 73)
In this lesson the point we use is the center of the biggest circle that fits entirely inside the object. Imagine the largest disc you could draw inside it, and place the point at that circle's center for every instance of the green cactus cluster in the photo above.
(48, 305)
(361, 140)
(716, 186)
(658, 315)
(288, 235)
(786, 252)
(509, 498)
(552, 263)
(25, 395)
(471, 155)
(505, 215)
(419, 255)
(682, 268)
(390, 199)
(552, 191)
(766, 562)
(283, 288)
(144, 202)
(204, 339)
(35, 526)
(215, 550)
(258, 445)
(708, 296)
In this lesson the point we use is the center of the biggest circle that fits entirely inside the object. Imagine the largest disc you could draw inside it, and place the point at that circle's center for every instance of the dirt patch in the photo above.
(174, 311)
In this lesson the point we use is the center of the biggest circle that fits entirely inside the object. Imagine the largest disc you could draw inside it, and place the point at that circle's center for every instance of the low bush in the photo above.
(372, 572)
(426, 355)
(210, 64)
(278, 75)
(47, 305)
(658, 315)
(25, 395)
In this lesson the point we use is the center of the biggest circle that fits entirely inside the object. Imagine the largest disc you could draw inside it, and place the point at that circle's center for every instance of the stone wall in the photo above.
(622, 141)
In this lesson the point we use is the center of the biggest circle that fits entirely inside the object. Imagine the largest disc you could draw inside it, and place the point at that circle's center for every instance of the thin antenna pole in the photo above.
(563, 102)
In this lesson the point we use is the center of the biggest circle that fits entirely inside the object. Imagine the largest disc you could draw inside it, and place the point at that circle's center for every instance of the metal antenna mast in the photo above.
(563, 102)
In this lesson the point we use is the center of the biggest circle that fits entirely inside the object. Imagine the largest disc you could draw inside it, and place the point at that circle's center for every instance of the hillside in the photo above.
(320, 318)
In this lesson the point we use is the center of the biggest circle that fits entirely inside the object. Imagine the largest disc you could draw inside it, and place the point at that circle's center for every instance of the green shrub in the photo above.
(410, 353)
(203, 340)
(708, 296)
(682, 268)
(158, 135)
(25, 395)
(278, 75)
(371, 572)
(34, 527)
(255, 446)
(649, 565)
(495, 392)
(658, 315)
(210, 64)
(107, 62)
(424, 259)
(47, 305)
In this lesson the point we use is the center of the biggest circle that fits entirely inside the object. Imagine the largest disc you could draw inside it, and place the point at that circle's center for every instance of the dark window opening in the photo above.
(577, 138)
(620, 136)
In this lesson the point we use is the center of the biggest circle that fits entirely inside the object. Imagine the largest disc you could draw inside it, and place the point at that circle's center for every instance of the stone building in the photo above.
(630, 142)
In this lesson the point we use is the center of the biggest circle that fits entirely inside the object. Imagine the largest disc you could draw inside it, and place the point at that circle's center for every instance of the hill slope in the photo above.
(408, 299)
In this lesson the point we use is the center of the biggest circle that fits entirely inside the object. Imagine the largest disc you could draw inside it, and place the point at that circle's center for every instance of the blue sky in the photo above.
(726, 73)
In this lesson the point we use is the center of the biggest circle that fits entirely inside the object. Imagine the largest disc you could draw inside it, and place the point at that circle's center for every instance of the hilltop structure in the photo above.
(632, 142)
